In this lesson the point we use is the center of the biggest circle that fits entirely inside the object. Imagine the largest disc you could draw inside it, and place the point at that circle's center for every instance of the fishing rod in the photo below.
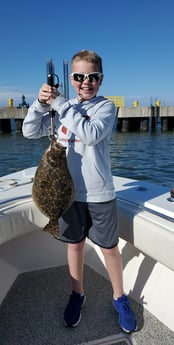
(51, 81)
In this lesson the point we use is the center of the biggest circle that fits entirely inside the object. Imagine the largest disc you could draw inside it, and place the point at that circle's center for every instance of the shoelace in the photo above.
(126, 306)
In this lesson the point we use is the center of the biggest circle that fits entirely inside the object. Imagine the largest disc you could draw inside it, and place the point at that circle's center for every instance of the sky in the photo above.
(135, 39)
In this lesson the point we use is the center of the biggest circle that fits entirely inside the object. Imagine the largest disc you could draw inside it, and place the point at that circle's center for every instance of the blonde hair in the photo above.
(89, 56)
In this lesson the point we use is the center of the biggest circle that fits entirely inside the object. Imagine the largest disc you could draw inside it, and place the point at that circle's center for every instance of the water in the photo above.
(17, 152)
(143, 156)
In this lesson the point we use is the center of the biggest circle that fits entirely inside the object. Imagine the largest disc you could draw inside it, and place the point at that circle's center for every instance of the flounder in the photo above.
(53, 188)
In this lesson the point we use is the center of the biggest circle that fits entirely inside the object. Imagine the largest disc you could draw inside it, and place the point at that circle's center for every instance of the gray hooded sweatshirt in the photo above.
(85, 129)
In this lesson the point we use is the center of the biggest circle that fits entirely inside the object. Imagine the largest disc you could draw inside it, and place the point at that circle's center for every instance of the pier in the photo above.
(17, 113)
(129, 119)
(145, 118)
(6, 114)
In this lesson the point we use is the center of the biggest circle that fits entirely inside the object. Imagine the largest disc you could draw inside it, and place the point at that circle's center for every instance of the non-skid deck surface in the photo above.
(32, 313)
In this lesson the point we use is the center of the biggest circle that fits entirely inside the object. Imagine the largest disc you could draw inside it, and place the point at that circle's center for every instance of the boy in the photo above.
(84, 125)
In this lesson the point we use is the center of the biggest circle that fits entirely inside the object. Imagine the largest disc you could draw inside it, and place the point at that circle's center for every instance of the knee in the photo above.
(110, 251)
(76, 247)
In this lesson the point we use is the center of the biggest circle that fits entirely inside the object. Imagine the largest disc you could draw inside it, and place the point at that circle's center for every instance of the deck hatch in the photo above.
(116, 339)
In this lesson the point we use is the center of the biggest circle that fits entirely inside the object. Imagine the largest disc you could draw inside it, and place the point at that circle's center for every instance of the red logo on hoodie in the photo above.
(64, 130)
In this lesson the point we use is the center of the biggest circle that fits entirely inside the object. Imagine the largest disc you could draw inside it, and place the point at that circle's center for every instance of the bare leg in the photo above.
(114, 267)
(75, 262)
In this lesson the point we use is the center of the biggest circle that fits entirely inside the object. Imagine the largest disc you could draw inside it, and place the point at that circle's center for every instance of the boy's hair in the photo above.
(89, 56)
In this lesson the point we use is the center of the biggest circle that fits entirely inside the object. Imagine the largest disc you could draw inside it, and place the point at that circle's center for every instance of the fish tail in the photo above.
(53, 229)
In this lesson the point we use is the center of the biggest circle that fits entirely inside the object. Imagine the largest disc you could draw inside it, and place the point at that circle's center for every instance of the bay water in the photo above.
(137, 155)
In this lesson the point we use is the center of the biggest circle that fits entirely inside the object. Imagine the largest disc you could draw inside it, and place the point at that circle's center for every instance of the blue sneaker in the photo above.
(72, 313)
(127, 319)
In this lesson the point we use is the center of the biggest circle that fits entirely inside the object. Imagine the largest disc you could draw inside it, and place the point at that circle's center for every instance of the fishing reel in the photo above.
(51, 75)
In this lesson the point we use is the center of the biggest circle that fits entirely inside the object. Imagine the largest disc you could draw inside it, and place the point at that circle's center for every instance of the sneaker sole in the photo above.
(126, 330)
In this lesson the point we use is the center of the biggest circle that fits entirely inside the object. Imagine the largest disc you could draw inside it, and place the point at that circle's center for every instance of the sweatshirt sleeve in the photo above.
(92, 125)
(37, 121)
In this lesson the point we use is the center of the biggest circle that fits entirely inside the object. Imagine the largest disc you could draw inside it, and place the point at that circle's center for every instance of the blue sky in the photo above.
(135, 38)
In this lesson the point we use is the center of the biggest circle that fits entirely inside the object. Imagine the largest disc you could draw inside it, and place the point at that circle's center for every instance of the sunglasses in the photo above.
(92, 77)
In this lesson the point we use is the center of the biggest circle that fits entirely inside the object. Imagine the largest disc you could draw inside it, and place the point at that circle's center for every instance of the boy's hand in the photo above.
(47, 94)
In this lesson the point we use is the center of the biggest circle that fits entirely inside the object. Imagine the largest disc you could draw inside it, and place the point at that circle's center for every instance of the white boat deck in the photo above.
(146, 217)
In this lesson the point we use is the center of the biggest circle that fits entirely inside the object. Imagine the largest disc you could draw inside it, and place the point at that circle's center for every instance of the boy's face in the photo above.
(87, 88)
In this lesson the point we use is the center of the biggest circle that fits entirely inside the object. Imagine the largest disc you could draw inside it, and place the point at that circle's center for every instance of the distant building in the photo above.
(118, 100)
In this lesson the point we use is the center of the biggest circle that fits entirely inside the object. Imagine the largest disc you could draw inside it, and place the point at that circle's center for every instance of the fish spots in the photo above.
(53, 188)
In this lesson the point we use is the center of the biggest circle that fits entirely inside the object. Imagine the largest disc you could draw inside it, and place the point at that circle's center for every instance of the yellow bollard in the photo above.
(10, 102)
(136, 104)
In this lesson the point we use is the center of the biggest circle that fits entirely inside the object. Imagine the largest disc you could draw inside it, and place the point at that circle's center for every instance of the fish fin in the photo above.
(53, 229)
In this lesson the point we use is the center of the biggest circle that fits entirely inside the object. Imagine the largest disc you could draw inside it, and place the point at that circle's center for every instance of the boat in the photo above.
(146, 220)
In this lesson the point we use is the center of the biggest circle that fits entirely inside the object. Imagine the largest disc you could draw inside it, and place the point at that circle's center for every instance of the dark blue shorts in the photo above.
(97, 221)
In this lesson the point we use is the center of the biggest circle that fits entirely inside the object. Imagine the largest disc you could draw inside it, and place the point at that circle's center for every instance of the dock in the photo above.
(128, 118)
(11, 112)
(145, 118)
(8, 113)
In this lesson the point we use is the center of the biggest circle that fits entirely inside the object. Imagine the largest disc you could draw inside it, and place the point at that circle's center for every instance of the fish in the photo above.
(53, 188)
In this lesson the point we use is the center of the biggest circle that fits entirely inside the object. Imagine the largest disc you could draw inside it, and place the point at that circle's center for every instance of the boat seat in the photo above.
(146, 218)
(18, 214)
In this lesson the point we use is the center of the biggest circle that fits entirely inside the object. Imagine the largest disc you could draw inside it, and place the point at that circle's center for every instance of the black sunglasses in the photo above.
(92, 77)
